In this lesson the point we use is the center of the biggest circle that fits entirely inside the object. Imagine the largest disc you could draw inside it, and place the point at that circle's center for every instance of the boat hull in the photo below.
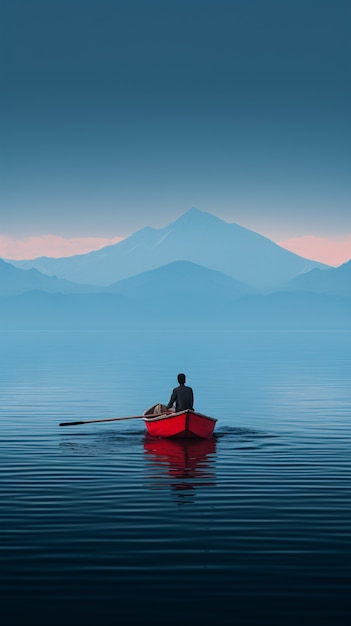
(184, 425)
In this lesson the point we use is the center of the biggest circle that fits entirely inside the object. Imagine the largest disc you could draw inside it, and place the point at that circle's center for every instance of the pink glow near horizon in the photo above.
(51, 246)
(329, 251)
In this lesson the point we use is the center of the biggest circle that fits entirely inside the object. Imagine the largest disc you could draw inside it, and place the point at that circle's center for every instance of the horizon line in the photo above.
(333, 252)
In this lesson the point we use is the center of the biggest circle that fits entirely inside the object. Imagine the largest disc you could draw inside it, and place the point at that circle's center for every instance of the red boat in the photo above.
(185, 424)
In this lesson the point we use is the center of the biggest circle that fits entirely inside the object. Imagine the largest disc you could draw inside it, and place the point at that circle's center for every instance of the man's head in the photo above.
(181, 379)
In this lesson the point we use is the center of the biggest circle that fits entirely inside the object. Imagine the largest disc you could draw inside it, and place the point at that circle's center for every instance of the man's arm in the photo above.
(172, 400)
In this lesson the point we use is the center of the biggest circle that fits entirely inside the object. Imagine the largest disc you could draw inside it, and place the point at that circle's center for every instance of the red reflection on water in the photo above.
(188, 461)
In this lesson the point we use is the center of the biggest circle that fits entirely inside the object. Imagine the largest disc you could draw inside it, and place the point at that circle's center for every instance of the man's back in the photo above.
(182, 397)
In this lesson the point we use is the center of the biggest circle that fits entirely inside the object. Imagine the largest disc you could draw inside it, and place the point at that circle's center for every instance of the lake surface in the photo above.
(101, 525)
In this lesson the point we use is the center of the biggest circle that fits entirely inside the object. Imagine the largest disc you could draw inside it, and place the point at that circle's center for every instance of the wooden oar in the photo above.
(110, 419)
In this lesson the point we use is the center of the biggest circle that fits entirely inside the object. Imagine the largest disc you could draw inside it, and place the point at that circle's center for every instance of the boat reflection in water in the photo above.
(185, 465)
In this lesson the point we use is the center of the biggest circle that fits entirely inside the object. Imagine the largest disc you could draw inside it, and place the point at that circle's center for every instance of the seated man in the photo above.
(182, 397)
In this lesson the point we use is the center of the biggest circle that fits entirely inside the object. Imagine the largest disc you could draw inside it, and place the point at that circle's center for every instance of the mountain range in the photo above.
(334, 281)
(196, 236)
(37, 310)
(181, 281)
(14, 281)
(181, 293)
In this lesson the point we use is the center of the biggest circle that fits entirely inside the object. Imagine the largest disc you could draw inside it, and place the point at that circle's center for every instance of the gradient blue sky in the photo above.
(122, 113)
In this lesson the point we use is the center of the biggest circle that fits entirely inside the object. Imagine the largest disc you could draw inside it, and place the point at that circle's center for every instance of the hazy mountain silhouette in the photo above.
(37, 310)
(196, 236)
(14, 281)
(182, 281)
(56, 311)
(334, 281)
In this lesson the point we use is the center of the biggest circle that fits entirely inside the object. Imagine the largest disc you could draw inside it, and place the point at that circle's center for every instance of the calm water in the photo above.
(99, 524)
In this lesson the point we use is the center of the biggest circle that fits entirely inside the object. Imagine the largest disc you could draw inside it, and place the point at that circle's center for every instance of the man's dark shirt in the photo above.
(183, 398)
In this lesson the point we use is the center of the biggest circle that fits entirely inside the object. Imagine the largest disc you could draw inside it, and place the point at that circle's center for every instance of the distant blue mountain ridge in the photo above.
(14, 281)
(197, 237)
(181, 281)
(37, 310)
(180, 294)
(335, 281)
